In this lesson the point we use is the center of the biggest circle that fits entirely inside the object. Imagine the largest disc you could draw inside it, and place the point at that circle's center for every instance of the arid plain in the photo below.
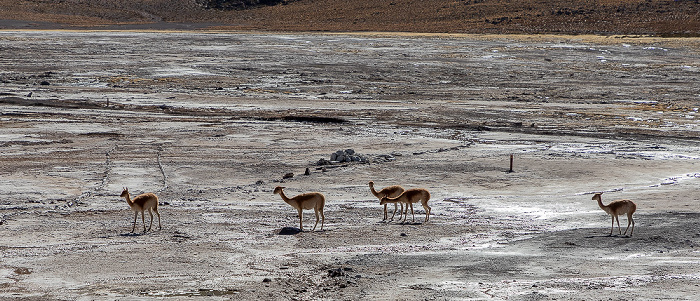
(212, 121)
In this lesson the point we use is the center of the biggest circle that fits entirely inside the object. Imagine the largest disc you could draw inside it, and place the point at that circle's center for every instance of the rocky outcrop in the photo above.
(350, 156)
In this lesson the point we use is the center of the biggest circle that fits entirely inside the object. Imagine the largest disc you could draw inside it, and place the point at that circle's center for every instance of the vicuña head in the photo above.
(309, 200)
(125, 193)
(141, 203)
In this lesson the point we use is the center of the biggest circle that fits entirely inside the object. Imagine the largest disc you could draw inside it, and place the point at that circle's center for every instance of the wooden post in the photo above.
(511, 163)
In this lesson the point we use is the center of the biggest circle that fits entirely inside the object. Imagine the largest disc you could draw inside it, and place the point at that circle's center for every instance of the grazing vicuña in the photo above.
(410, 196)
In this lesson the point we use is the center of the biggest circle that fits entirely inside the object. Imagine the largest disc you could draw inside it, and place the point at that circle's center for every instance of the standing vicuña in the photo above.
(392, 192)
(410, 196)
(309, 200)
(141, 203)
(615, 208)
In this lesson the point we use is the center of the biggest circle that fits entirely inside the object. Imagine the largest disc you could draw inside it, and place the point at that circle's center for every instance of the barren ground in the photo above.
(212, 121)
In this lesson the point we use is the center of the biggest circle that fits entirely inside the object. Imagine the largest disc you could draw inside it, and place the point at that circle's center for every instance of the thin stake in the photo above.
(511, 163)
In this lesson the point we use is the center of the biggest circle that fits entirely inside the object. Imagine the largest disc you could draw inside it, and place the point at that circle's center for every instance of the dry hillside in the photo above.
(656, 17)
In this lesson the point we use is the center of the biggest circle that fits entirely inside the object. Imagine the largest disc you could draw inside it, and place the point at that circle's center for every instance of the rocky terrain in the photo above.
(211, 123)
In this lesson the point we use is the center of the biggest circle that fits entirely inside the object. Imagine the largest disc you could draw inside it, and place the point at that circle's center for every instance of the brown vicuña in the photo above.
(616, 208)
(410, 196)
(309, 200)
(390, 191)
(141, 203)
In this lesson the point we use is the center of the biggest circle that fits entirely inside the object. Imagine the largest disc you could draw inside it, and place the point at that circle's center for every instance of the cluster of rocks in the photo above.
(344, 156)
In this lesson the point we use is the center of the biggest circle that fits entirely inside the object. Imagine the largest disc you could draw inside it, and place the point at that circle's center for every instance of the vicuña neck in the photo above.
(284, 197)
(128, 200)
(600, 203)
(374, 192)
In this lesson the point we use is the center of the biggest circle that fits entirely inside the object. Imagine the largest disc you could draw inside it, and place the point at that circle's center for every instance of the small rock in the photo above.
(288, 175)
(336, 273)
(350, 151)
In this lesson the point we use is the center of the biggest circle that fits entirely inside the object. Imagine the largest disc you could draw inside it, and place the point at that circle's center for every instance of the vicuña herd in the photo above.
(395, 194)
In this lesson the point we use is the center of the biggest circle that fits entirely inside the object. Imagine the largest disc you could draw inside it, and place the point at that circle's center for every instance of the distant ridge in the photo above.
(239, 4)
(606, 17)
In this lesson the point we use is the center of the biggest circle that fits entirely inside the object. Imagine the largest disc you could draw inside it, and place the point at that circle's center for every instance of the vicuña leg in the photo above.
(158, 214)
(396, 206)
(406, 214)
(316, 224)
(630, 220)
(133, 229)
(427, 211)
(301, 217)
(323, 218)
(150, 212)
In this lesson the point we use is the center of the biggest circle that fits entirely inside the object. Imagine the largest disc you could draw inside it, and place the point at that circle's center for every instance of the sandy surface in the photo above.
(211, 122)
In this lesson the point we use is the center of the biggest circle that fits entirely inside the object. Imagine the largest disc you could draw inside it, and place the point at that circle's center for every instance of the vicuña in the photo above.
(617, 208)
(390, 191)
(309, 200)
(141, 203)
(410, 196)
